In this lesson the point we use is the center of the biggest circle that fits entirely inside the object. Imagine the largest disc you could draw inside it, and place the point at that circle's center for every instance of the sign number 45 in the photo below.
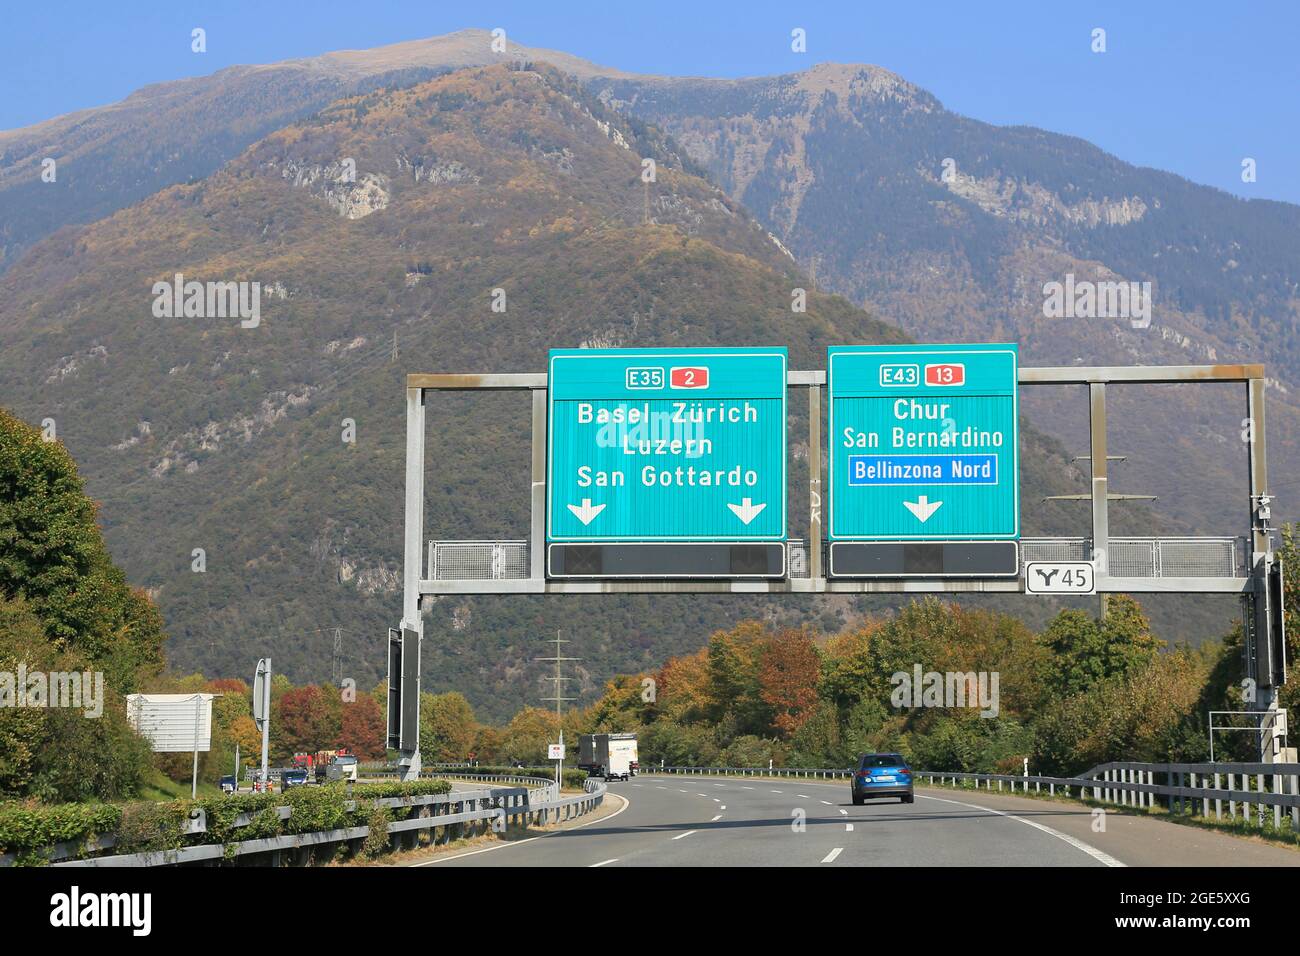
(1060, 577)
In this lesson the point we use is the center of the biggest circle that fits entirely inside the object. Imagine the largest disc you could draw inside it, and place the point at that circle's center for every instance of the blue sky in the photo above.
(1192, 87)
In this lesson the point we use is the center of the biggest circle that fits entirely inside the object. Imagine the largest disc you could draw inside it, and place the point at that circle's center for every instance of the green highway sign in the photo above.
(924, 444)
(666, 445)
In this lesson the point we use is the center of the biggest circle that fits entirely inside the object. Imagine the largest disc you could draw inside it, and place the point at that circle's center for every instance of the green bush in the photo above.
(140, 827)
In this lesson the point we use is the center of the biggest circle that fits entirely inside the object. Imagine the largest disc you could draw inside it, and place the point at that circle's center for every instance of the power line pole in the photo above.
(558, 694)
(336, 666)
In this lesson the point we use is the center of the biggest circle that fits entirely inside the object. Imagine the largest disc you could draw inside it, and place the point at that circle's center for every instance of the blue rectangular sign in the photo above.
(666, 445)
(924, 443)
(931, 469)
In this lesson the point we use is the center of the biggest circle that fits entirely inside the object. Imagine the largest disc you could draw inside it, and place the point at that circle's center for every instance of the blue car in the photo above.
(882, 775)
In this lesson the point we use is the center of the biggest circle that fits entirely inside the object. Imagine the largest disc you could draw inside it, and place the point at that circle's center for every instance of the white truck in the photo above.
(612, 756)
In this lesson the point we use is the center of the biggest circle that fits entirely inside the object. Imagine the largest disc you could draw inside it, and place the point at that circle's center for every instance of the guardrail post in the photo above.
(1259, 788)
(1277, 808)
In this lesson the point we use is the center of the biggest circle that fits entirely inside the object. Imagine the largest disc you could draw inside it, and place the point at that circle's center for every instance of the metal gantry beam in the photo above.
(1095, 377)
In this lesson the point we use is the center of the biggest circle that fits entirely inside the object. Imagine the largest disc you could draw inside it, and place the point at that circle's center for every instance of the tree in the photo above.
(302, 721)
(1085, 651)
(847, 675)
(244, 732)
(1289, 554)
(682, 688)
(787, 679)
(526, 736)
(448, 727)
(733, 677)
(362, 729)
(61, 754)
(53, 557)
(1146, 714)
(622, 707)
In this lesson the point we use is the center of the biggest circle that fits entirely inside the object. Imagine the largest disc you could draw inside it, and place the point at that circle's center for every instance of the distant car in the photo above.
(293, 778)
(882, 775)
(229, 784)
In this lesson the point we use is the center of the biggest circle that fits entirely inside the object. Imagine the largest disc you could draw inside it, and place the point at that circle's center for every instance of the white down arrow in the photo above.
(922, 508)
(747, 511)
(587, 512)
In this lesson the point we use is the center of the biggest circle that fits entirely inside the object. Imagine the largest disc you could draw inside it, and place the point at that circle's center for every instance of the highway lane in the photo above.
(700, 821)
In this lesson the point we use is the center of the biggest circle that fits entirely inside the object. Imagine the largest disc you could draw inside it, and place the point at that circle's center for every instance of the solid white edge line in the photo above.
(603, 863)
(504, 846)
(686, 834)
(830, 857)
(1098, 855)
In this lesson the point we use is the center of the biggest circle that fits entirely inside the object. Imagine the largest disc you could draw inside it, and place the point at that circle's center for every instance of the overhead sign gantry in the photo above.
(651, 532)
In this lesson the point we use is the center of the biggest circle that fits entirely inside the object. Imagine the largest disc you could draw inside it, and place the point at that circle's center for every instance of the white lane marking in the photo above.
(804, 795)
(716, 800)
(720, 785)
(637, 785)
(746, 788)
(830, 857)
(505, 846)
(1092, 851)
(716, 819)
(848, 828)
(843, 812)
(723, 807)
(683, 791)
(776, 791)
(603, 863)
(681, 836)
(828, 803)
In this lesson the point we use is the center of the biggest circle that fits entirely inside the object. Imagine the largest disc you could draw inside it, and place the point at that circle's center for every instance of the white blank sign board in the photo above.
(172, 723)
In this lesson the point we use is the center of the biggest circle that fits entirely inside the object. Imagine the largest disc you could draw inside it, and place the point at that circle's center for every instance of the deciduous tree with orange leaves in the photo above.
(787, 677)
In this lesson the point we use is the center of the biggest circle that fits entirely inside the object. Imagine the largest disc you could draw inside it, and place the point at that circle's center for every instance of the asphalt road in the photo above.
(703, 821)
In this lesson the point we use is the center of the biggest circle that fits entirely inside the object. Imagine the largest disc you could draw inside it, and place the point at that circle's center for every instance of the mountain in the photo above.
(952, 229)
(111, 156)
(200, 433)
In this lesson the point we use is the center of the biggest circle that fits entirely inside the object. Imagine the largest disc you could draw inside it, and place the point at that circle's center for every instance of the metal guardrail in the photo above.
(1187, 789)
(1207, 557)
(827, 773)
(457, 815)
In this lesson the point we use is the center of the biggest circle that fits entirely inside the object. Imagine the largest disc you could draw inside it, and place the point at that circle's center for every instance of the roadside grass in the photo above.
(158, 787)
(1240, 826)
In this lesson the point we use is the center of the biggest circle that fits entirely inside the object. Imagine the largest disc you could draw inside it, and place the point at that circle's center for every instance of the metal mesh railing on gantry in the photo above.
(477, 560)
(1128, 557)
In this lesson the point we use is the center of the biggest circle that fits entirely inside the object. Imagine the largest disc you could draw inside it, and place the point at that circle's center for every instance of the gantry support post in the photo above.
(1100, 486)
